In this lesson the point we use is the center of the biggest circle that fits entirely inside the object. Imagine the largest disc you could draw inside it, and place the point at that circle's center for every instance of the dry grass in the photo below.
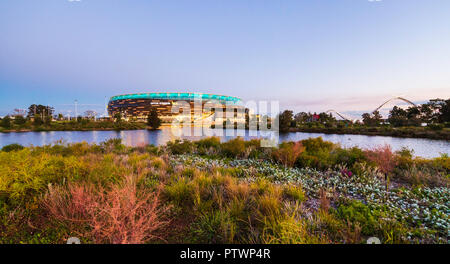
(120, 215)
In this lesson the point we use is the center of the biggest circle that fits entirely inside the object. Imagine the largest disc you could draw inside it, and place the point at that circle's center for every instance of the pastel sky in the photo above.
(311, 55)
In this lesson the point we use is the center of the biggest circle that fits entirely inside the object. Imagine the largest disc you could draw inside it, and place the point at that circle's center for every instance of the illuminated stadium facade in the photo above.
(138, 106)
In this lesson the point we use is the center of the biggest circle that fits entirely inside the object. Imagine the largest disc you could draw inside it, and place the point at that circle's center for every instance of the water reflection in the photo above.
(422, 147)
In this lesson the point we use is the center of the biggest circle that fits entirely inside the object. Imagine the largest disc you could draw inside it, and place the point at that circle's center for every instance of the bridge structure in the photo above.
(393, 99)
(376, 109)
(340, 115)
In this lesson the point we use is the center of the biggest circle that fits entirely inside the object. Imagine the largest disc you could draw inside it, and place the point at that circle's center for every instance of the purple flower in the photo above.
(346, 173)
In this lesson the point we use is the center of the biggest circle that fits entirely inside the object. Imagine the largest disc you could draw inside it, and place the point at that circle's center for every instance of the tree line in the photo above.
(43, 115)
(435, 113)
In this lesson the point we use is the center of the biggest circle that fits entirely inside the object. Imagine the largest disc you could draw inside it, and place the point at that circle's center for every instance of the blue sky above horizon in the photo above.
(348, 55)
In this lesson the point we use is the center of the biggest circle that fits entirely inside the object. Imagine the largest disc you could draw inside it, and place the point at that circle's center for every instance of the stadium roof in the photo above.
(177, 96)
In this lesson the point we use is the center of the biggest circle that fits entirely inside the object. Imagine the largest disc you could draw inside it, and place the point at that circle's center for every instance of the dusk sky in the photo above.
(311, 55)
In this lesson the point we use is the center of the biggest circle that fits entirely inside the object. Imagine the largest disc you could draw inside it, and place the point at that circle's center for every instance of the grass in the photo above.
(212, 192)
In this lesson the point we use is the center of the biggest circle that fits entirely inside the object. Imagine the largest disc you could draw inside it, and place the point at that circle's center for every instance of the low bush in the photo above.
(121, 215)
(358, 213)
(383, 158)
(234, 148)
(288, 153)
(178, 147)
(12, 147)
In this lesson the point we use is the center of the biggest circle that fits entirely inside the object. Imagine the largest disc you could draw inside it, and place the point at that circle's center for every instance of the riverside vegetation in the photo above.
(311, 191)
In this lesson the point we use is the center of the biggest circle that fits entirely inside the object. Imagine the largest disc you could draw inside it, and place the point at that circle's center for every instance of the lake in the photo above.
(427, 148)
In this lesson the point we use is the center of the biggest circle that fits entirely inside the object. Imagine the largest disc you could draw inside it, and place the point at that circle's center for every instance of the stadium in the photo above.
(138, 106)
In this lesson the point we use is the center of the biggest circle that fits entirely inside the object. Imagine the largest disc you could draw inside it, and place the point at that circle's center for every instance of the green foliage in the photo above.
(37, 120)
(179, 191)
(234, 147)
(287, 153)
(153, 119)
(113, 145)
(436, 127)
(180, 147)
(294, 192)
(19, 120)
(285, 120)
(349, 156)
(6, 122)
(215, 227)
(317, 145)
(317, 154)
(12, 147)
(206, 143)
(358, 213)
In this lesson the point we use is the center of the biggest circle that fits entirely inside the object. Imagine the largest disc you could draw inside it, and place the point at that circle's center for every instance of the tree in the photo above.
(40, 110)
(19, 120)
(6, 122)
(48, 119)
(426, 113)
(367, 119)
(153, 119)
(377, 118)
(444, 112)
(437, 107)
(414, 116)
(118, 117)
(37, 120)
(285, 120)
(373, 119)
(398, 117)
(301, 117)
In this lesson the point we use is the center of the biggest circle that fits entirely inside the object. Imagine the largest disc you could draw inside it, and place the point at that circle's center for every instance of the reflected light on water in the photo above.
(422, 147)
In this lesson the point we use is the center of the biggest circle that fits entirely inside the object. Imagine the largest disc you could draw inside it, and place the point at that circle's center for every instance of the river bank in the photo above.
(421, 147)
(414, 132)
(406, 132)
(77, 126)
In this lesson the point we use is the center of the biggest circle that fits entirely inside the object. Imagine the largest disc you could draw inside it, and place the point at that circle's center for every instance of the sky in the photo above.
(347, 55)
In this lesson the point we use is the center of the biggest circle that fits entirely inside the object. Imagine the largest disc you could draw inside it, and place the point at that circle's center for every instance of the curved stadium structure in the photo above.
(139, 105)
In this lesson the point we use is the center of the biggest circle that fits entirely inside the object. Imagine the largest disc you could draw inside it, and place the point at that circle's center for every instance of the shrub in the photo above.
(349, 156)
(12, 147)
(180, 191)
(404, 152)
(383, 157)
(6, 122)
(19, 120)
(289, 230)
(211, 142)
(314, 145)
(234, 148)
(113, 145)
(288, 153)
(418, 176)
(178, 147)
(214, 227)
(294, 192)
(317, 154)
(436, 127)
(358, 213)
(120, 215)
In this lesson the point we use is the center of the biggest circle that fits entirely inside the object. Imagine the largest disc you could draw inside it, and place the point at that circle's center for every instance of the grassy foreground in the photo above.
(206, 191)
